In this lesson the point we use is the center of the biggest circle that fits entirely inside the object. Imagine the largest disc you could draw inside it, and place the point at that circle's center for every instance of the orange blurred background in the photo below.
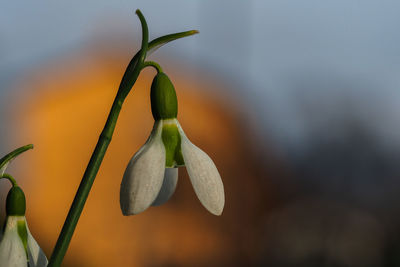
(296, 102)
(63, 116)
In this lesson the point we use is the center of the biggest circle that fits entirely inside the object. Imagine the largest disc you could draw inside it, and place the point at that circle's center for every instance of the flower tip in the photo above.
(128, 210)
(216, 208)
(129, 207)
(25, 148)
(217, 212)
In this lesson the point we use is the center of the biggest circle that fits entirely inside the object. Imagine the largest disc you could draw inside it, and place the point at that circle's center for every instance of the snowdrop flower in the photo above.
(18, 248)
(152, 173)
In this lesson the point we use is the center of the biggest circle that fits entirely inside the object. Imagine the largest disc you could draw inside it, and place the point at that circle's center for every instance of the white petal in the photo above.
(12, 251)
(144, 175)
(168, 186)
(204, 176)
(37, 258)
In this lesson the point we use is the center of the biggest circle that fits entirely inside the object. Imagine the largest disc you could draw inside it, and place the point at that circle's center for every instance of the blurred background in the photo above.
(297, 102)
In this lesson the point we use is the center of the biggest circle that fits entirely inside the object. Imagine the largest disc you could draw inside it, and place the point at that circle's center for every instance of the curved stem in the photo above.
(154, 65)
(10, 178)
(97, 157)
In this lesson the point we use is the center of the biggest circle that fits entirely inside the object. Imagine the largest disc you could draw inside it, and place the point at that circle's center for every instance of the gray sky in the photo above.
(332, 57)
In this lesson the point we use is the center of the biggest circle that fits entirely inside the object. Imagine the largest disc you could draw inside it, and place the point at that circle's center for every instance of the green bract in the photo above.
(164, 104)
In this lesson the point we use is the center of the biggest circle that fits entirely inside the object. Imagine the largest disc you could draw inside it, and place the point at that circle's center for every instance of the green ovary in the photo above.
(172, 143)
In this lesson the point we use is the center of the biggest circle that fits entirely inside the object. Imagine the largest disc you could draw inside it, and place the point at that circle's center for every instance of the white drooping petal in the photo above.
(144, 175)
(37, 258)
(204, 176)
(12, 251)
(168, 186)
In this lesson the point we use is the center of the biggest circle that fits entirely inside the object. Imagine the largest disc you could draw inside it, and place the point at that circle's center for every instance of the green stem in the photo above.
(97, 156)
(128, 80)
(154, 65)
(10, 178)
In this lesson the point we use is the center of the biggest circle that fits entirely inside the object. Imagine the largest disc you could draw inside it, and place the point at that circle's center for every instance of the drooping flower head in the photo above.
(152, 174)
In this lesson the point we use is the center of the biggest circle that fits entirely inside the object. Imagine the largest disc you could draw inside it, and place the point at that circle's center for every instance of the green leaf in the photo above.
(10, 156)
(160, 41)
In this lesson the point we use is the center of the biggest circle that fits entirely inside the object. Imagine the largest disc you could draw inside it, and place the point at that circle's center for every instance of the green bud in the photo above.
(15, 203)
(164, 104)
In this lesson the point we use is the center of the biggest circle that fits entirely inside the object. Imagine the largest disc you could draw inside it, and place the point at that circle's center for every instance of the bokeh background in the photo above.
(297, 102)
